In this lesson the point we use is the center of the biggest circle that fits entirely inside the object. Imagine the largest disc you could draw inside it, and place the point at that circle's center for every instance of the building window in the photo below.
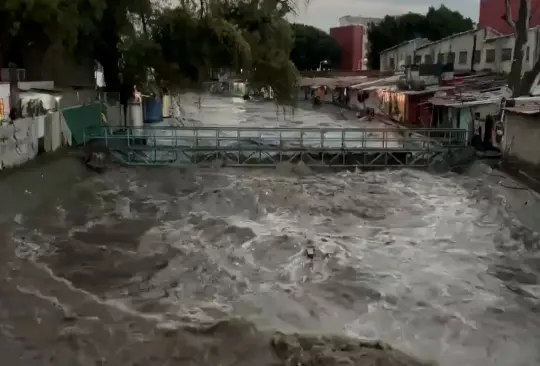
(527, 53)
(451, 57)
(477, 55)
(506, 54)
(428, 59)
(440, 58)
(392, 63)
(490, 56)
(417, 59)
(408, 60)
(463, 58)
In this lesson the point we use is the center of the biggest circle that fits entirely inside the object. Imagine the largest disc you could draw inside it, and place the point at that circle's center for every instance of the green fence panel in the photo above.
(78, 119)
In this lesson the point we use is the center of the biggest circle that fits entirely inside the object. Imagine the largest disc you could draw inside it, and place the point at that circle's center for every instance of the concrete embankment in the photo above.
(521, 202)
(18, 142)
(22, 139)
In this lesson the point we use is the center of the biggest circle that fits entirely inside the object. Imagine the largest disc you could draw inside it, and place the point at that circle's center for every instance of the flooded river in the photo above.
(136, 266)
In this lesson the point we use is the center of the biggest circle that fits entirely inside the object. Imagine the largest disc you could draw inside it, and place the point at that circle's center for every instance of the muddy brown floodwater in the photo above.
(208, 267)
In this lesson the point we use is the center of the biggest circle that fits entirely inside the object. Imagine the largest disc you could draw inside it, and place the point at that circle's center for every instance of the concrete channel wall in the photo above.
(20, 140)
(522, 138)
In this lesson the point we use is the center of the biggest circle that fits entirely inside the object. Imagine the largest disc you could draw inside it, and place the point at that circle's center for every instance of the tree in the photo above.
(436, 24)
(244, 35)
(181, 44)
(311, 46)
(39, 24)
(520, 82)
(114, 35)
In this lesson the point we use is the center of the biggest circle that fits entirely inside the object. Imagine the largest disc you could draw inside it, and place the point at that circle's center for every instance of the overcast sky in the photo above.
(325, 13)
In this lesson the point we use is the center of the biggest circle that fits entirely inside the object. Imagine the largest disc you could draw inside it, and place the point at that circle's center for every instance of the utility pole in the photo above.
(13, 91)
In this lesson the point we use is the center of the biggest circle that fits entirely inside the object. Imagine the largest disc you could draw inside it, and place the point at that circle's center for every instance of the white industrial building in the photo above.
(498, 51)
(490, 51)
(393, 58)
(459, 49)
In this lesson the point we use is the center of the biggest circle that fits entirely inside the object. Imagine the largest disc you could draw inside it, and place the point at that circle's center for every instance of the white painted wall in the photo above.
(498, 44)
(36, 84)
(18, 142)
(399, 54)
(522, 134)
(461, 43)
(486, 109)
(56, 131)
(25, 96)
(114, 115)
(49, 103)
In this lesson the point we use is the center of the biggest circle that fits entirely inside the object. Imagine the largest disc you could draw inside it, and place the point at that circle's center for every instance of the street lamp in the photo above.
(323, 62)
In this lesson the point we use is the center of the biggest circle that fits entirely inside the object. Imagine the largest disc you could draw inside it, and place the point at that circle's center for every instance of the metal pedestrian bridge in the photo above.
(259, 146)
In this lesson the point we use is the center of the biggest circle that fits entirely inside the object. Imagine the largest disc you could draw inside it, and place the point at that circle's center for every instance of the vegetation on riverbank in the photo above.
(137, 41)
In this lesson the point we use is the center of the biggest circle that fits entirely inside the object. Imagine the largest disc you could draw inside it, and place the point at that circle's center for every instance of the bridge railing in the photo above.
(225, 137)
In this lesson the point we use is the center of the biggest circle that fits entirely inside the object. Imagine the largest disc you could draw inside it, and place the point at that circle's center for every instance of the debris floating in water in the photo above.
(18, 219)
(310, 252)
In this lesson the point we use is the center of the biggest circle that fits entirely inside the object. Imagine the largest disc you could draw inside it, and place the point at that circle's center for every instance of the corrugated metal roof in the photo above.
(457, 35)
(391, 80)
(405, 43)
(339, 82)
(502, 36)
(456, 102)
(525, 109)
(343, 81)
(466, 97)
(429, 90)
(315, 81)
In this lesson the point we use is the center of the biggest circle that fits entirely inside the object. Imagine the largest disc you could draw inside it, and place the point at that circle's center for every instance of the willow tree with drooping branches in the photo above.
(251, 37)
(133, 39)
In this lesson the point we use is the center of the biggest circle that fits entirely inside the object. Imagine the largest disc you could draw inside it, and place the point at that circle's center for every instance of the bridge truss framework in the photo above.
(257, 147)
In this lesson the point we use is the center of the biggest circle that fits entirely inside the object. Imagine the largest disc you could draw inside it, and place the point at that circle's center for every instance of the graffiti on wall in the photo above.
(33, 108)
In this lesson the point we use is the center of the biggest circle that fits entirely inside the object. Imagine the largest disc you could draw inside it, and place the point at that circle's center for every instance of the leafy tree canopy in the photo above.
(434, 25)
(132, 39)
(311, 46)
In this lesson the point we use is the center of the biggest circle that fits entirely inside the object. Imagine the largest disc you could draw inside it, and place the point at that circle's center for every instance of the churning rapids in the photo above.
(208, 267)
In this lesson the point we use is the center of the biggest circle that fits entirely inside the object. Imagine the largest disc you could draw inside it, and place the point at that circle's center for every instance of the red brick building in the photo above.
(351, 39)
(492, 14)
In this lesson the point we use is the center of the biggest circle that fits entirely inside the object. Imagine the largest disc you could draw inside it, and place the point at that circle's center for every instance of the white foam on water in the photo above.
(417, 260)
(211, 110)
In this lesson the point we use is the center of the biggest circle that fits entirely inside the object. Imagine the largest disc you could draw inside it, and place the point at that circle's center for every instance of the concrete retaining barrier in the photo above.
(18, 142)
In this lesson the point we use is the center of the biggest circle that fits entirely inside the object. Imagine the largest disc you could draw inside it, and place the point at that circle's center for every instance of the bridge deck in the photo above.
(252, 146)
